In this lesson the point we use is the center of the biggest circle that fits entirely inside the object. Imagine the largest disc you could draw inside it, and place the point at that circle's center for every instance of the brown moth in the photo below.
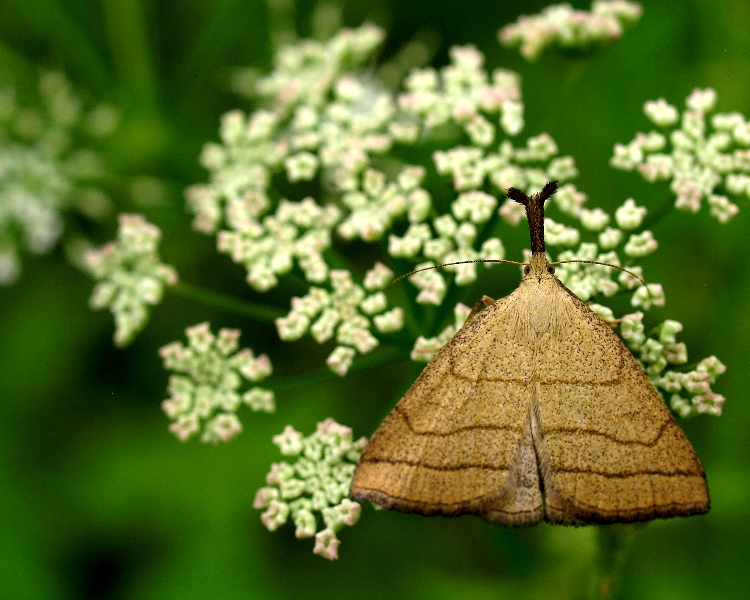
(534, 410)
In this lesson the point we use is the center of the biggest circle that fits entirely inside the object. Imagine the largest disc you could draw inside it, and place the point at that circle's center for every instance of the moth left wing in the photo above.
(460, 440)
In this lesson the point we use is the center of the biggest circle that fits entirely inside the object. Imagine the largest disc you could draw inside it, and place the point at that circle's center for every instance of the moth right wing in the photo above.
(609, 448)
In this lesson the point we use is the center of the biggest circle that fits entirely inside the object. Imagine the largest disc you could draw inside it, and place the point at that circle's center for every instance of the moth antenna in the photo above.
(461, 262)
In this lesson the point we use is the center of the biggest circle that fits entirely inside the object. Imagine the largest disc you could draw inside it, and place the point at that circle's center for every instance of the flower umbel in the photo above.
(330, 125)
(689, 393)
(707, 159)
(317, 482)
(206, 393)
(336, 170)
(561, 25)
(42, 175)
(130, 275)
(298, 231)
(346, 312)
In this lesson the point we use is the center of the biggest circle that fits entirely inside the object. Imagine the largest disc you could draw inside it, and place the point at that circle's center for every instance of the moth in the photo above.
(535, 410)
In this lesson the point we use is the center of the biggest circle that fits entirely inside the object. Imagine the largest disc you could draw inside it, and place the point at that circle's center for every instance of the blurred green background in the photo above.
(98, 500)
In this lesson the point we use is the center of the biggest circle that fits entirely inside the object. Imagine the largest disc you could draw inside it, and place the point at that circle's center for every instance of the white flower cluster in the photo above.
(346, 312)
(375, 207)
(689, 392)
(130, 275)
(452, 237)
(529, 167)
(702, 163)
(206, 392)
(453, 242)
(562, 25)
(267, 248)
(41, 175)
(425, 348)
(461, 93)
(318, 481)
(304, 73)
(333, 129)
(241, 168)
(325, 122)
(330, 124)
(588, 280)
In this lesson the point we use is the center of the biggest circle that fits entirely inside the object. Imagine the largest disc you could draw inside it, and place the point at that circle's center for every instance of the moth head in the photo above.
(538, 267)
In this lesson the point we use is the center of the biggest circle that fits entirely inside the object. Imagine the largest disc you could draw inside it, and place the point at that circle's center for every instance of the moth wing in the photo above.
(460, 439)
(608, 447)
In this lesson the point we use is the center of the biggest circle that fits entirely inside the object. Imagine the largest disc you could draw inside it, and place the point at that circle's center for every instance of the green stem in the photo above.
(257, 312)
(614, 541)
(659, 213)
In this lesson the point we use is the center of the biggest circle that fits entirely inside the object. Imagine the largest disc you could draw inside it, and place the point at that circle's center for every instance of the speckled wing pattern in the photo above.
(460, 442)
(608, 448)
(534, 410)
